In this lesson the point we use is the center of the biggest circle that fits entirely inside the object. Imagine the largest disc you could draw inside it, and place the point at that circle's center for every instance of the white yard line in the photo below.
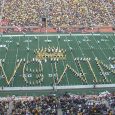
(63, 63)
(107, 44)
(7, 48)
(100, 48)
(112, 38)
(17, 52)
(52, 69)
(16, 59)
(54, 83)
(89, 34)
(94, 75)
(90, 48)
(71, 51)
(72, 54)
(28, 46)
(83, 55)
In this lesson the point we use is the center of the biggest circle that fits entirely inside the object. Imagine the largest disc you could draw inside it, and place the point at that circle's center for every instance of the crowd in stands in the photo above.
(67, 104)
(0, 5)
(60, 14)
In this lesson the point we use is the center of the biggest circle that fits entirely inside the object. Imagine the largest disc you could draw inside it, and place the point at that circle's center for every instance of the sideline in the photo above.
(94, 34)
(50, 88)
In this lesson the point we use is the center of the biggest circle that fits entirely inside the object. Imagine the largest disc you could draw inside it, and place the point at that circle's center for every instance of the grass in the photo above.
(81, 54)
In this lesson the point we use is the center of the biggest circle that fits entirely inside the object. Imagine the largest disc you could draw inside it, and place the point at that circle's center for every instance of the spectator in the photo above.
(68, 103)
(59, 14)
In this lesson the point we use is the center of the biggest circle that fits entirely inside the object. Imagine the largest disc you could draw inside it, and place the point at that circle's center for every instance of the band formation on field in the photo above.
(46, 60)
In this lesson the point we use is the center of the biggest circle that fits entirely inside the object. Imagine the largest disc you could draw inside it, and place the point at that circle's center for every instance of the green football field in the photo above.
(76, 59)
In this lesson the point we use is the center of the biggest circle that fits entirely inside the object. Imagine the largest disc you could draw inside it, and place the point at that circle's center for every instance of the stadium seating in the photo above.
(68, 104)
(37, 64)
(62, 15)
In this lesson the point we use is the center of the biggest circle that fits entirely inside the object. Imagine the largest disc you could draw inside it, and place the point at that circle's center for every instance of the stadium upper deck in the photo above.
(59, 14)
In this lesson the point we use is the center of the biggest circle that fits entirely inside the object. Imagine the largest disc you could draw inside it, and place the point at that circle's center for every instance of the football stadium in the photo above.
(57, 57)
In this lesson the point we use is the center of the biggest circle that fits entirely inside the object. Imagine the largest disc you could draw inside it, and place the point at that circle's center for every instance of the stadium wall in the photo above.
(35, 29)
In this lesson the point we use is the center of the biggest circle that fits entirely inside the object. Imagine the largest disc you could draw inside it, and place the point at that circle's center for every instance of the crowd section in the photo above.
(67, 104)
(59, 14)
(0, 5)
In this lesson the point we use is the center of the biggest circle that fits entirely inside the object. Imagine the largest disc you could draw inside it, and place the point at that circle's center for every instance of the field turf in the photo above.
(90, 59)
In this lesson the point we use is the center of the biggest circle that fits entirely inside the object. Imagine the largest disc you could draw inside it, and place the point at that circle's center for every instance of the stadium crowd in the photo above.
(60, 14)
(69, 104)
